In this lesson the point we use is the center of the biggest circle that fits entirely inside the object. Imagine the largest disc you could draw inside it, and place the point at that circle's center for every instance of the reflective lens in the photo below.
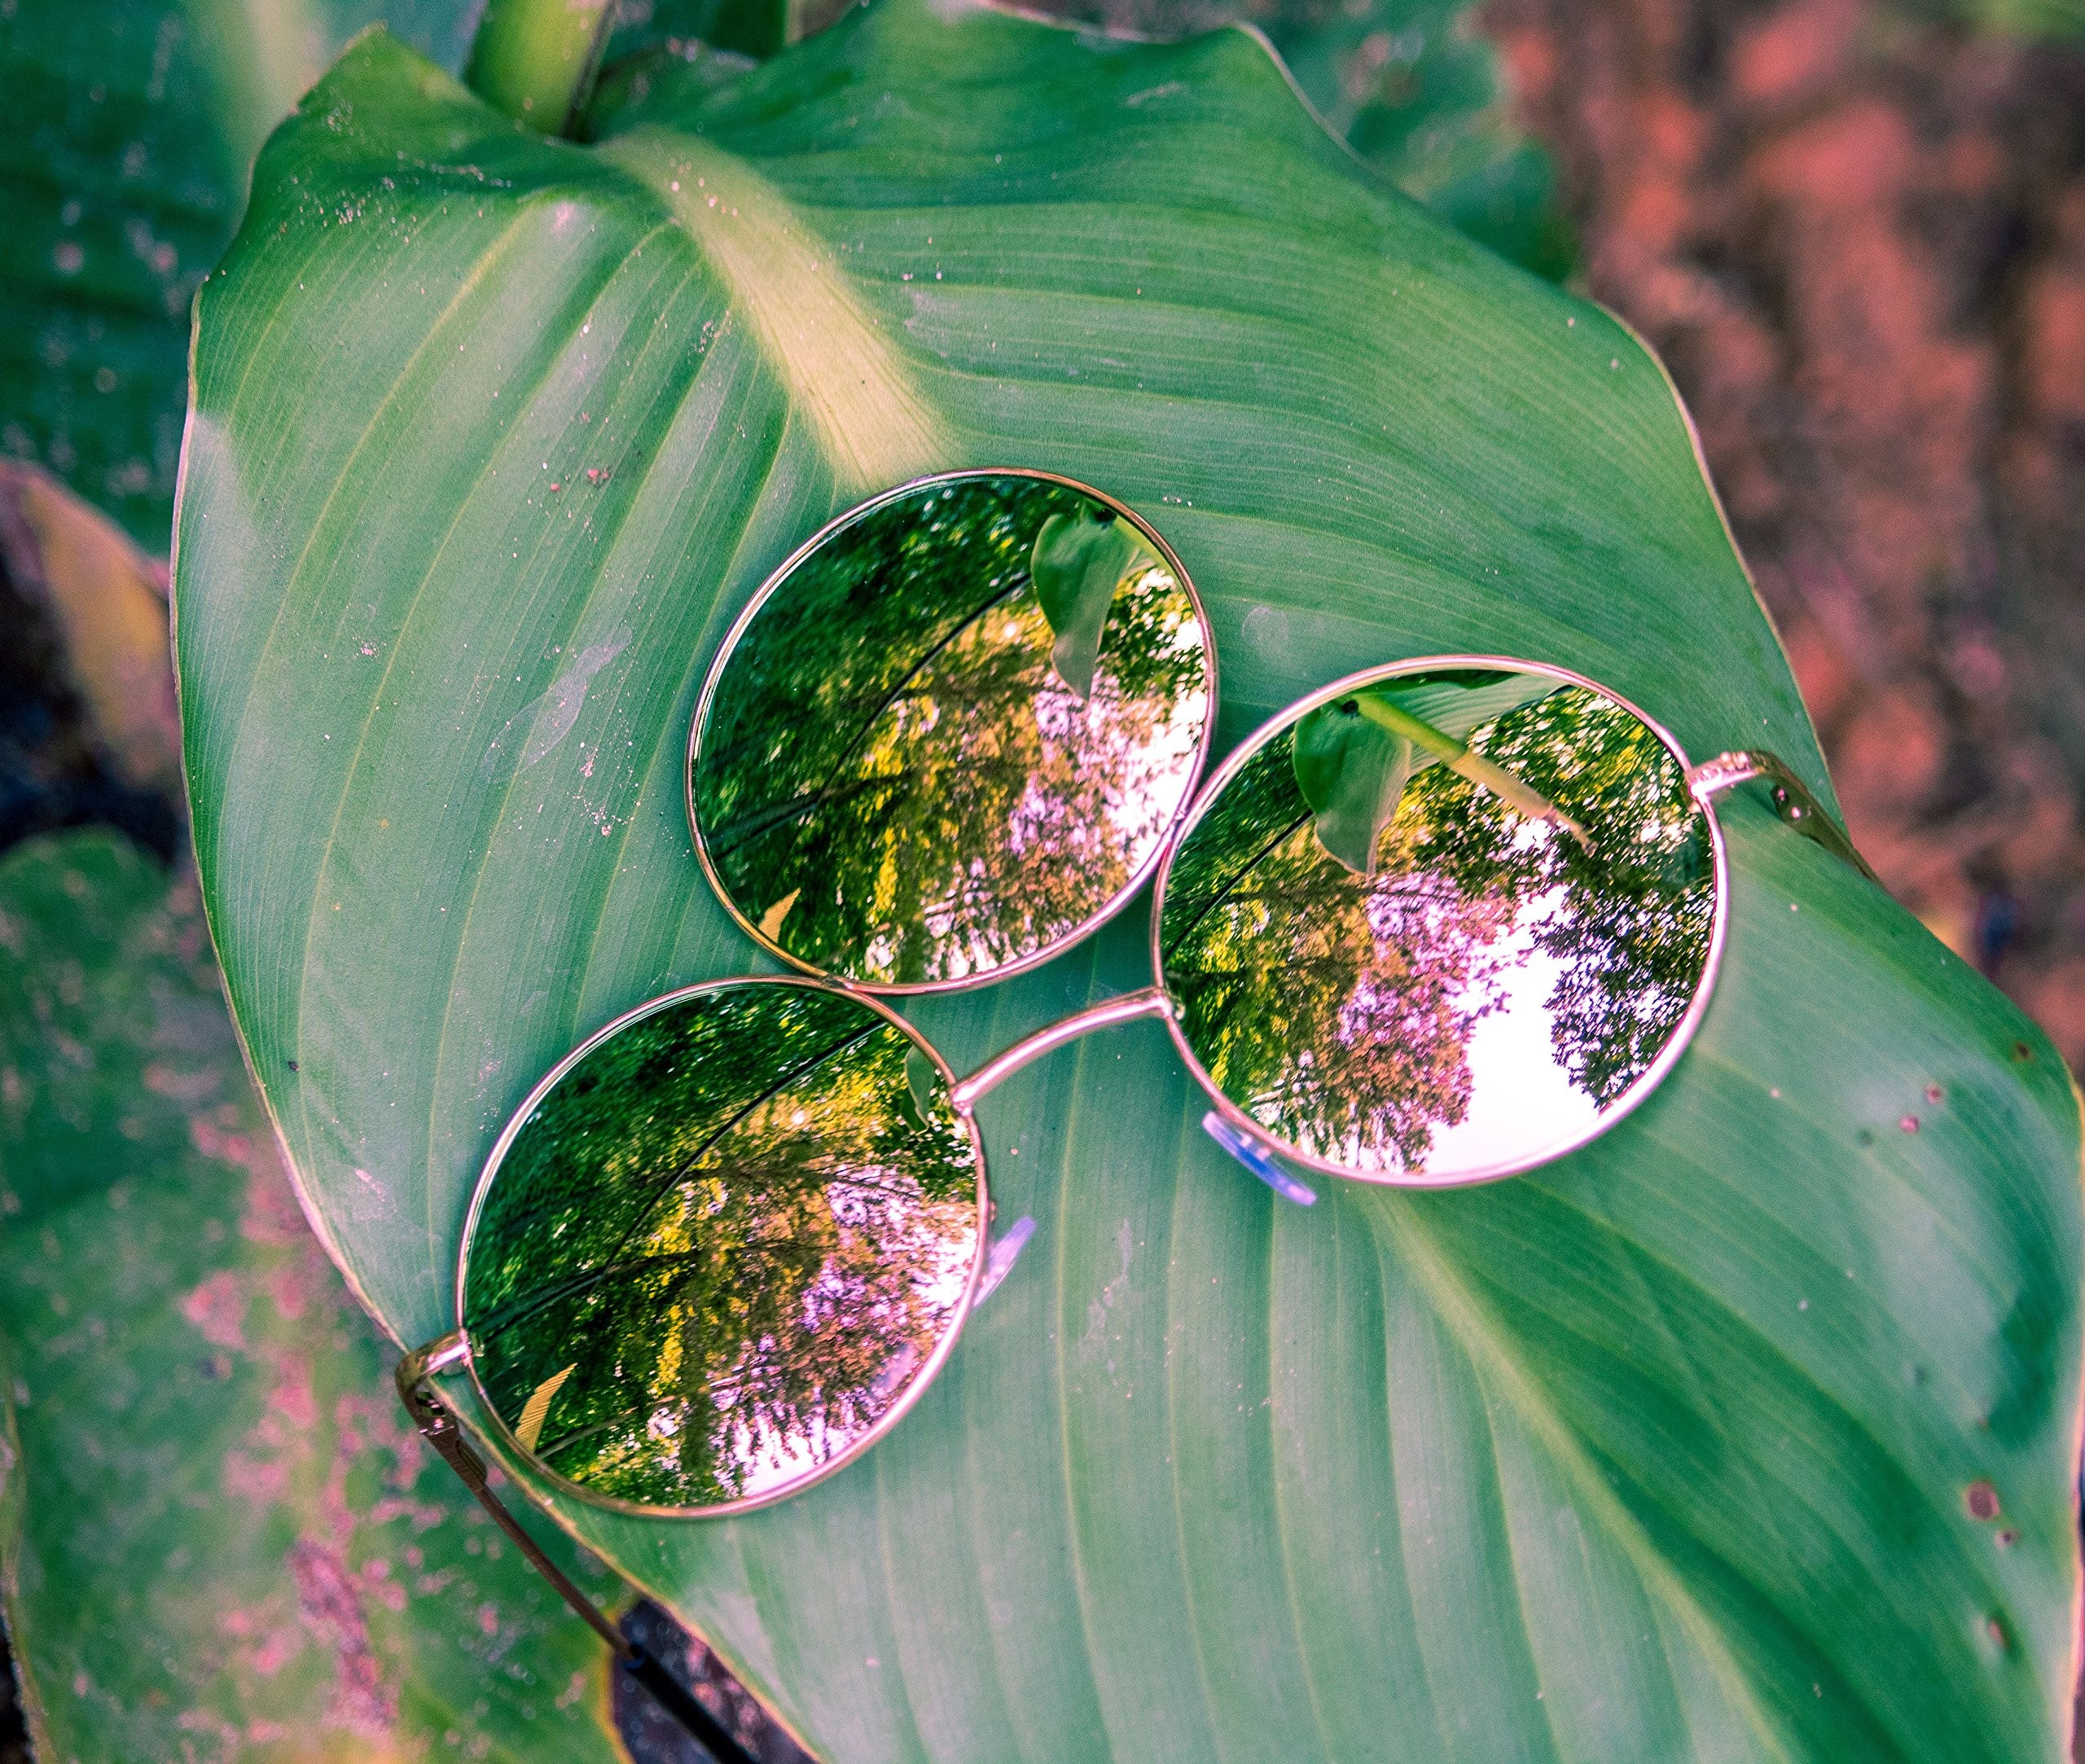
(723, 1246)
(1443, 926)
(954, 733)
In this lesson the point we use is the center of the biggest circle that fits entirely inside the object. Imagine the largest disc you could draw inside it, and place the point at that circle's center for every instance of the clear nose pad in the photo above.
(1243, 1147)
(1004, 1254)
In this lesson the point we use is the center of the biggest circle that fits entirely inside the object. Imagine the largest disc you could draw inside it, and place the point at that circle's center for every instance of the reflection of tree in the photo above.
(890, 745)
(1338, 1011)
(732, 1223)
(1628, 920)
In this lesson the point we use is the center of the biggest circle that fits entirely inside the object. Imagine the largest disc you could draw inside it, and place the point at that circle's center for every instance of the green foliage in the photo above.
(1415, 89)
(2060, 21)
(537, 62)
(134, 123)
(1078, 562)
(720, 1247)
(1658, 1453)
(224, 1540)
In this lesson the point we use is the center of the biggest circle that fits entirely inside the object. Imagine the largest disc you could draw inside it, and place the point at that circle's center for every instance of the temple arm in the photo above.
(438, 1427)
(1791, 801)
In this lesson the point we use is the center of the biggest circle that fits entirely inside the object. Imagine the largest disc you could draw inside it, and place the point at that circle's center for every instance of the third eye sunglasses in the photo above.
(1439, 923)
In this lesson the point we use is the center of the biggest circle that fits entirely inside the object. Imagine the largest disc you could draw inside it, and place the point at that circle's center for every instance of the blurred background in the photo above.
(1854, 229)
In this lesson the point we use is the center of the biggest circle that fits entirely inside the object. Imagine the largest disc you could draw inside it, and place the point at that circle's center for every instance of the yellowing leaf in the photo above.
(530, 1428)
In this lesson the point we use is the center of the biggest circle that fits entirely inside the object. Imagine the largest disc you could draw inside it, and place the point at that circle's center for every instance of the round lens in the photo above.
(953, 734)
(723, 1246)
(1444, 925)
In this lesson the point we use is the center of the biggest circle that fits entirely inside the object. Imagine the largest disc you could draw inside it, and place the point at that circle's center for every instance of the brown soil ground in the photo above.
(1859, 241)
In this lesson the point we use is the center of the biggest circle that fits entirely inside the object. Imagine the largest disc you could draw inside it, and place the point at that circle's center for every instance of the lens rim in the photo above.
(1647, 1081)
(1085, 928)
(495, 1423)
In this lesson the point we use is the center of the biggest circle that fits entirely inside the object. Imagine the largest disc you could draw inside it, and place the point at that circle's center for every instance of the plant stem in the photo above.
(536, 60)
(1460, 757)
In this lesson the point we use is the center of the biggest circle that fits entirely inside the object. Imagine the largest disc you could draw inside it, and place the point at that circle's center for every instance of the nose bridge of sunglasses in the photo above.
(1791, 801)
(1148, 1001)
(1126, 1007)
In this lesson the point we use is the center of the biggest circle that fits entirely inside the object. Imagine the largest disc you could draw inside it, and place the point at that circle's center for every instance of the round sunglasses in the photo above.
(1439, 923)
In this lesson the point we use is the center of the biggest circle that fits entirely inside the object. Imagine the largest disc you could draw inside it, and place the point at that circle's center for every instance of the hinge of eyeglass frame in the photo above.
(1794, 803)
(438, 1427)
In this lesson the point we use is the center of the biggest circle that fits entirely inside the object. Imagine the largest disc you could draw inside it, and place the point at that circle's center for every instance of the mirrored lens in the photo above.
(954, 734)
(722, 1247)
(1438, 927)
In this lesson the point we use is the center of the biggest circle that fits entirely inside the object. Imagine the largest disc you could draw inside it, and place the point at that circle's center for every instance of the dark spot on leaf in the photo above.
(292, 1065)
(2021, 1050)
(1864, 1137)
(2007, 1539)
(1934, 1093)
(1981, 1499)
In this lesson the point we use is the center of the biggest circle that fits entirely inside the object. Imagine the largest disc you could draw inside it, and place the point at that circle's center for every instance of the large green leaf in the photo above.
(223, 1541)
(1659, 1453)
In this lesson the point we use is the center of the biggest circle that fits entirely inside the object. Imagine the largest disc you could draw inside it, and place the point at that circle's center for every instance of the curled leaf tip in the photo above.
(1078, 562)
(1352, 774)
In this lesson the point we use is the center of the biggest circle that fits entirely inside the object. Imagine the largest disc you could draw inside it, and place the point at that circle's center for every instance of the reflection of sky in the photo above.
(1151, 744)
(1157, 759)
(1521, 1099)
(771, 1457)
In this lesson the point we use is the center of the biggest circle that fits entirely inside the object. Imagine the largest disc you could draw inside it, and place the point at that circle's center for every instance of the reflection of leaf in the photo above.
(1459, 756)
(1352, 774)
(230, 1542)
(924, 1082)
(528, 1429)
(1078, 563)
(1353, 756)
(770, 921)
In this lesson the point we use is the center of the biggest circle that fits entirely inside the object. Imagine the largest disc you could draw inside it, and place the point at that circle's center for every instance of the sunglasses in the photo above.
(1439, 923)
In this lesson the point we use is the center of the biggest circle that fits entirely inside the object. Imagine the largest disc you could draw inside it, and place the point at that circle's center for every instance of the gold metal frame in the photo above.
(1652, 1075)
(452, 1352)
(739, 625)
